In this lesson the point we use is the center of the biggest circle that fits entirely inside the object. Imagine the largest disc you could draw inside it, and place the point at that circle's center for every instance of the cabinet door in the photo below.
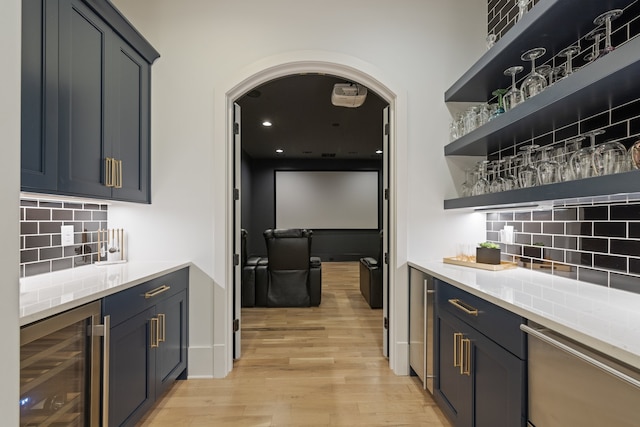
(39, 108)
(454, 390)
(131, 369)
(83, 47)
(499, 379)
(128, 111)
(171, 357)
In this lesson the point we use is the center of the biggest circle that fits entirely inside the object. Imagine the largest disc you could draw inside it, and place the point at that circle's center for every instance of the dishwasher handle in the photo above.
(588, 359)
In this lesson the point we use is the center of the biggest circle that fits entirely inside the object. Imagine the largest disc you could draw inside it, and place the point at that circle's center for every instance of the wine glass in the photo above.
(523, 7)
(500, 109)
(545, 71)
(547, 167)
(514, 96)
(467, 185)
(528, 174)
(491, 40)
(481, 185)
(555, 74)
(582, 160)
(606, 19)
(569, 53)
(595, 35)
(609, 158)
(565, 172)
(534, 83)
(511, 181)
(498, 183)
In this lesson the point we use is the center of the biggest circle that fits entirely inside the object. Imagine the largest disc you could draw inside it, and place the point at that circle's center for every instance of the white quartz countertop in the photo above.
(47, 294)
(605, 319)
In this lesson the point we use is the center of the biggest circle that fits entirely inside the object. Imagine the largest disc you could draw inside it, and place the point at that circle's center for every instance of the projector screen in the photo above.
(327, 199)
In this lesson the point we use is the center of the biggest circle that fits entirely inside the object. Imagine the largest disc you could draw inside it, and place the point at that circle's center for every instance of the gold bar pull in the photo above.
(162, 330)
(118, 173)
(157, 291)
(457, 350)
(153, 332)
(108, 171)
(461, 305)
(465, 366)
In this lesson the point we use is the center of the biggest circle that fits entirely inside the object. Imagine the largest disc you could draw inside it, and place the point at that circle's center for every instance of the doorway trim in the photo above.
(351, 68)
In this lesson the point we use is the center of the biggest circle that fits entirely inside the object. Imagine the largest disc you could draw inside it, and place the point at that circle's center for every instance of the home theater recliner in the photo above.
(288, 277)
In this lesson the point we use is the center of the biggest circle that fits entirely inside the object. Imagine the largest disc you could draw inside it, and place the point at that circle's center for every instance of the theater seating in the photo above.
(288, 277)
(371, 278)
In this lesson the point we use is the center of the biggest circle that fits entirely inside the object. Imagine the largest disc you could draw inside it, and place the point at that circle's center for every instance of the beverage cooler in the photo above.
(60, 369)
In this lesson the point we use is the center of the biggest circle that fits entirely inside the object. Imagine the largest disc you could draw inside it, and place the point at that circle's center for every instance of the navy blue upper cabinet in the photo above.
(86, 124)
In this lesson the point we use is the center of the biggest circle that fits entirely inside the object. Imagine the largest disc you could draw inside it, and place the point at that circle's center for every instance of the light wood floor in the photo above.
(319, 366)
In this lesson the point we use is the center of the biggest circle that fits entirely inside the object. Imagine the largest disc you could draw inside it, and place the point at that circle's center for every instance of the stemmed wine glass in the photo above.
(569, 53)
(595, 35)
(565, 172)
(523, 7)
(547, 167)
(545, 71)
(498, 183)
(514, 96)
(481, 185)
(528, 174)
(610, 158)
(582, 160)
(534, 83)
(606, 19)
(555, 74)
(510, 179)
(500, 108)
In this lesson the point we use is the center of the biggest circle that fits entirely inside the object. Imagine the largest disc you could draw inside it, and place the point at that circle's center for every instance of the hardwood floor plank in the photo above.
(318, 366)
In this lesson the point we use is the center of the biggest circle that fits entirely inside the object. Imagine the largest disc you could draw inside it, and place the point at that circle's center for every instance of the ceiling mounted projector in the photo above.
(348, 95)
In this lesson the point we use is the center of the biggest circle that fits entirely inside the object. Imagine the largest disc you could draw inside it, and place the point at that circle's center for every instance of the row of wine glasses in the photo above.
(544, 76)
(536, 165)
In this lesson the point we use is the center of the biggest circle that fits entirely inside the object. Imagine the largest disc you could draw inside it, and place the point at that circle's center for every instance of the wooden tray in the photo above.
(504, 265)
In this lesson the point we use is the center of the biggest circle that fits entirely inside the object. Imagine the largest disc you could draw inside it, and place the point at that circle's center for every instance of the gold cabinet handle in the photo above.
(461, 305)
(118, 174)
(457, 350)
(157, 291)
(108, 171)
(162, 329)
(153, 332)
(465, 366)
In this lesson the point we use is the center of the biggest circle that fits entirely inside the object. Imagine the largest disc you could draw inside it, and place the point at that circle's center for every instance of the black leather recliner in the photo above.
(288, 277)
(371, 278)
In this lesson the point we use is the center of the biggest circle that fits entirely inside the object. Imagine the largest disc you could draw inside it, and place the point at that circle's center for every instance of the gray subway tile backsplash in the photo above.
(41, 250)
(578, 242)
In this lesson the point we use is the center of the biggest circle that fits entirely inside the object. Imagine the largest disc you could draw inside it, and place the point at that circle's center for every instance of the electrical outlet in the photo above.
(67, 235)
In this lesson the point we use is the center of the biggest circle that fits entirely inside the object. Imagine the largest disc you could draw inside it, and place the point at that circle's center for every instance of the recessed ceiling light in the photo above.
(266, 123)
(378, 151)
(279, 150)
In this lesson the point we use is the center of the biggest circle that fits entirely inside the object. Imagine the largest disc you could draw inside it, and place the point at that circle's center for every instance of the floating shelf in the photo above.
(607, 82)
(552, 24)
(608, 186)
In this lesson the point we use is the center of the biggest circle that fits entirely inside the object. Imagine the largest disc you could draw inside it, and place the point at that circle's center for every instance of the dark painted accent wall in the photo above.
(258, 189)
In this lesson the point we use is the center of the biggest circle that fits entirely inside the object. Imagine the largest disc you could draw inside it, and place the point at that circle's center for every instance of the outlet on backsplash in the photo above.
(41, 241)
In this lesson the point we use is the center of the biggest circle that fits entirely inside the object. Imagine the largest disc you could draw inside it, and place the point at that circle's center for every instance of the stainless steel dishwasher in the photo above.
(571, 385)
(421, 297)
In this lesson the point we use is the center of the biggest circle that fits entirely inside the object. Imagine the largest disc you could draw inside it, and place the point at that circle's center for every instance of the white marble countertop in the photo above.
(47, 294)
(605, 319)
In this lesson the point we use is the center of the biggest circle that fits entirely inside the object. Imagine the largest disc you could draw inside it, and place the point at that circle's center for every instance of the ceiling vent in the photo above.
(348, 95)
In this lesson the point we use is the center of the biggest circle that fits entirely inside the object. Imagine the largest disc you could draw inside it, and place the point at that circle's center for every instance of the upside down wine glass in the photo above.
(596, 35)
(569, 53)
(528, 174)
(582, 160)
(513, 97)
(606, 19)
(535, 82)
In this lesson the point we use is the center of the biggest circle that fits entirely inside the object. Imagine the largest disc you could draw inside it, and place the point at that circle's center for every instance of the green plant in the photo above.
(489, 245)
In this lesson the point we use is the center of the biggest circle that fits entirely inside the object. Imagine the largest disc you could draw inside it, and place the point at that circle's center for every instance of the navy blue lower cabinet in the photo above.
(148, 345)
(131, 370)
(479, 383)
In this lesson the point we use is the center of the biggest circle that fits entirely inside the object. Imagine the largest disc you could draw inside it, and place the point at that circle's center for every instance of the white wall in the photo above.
(9, 219)
(417, 48)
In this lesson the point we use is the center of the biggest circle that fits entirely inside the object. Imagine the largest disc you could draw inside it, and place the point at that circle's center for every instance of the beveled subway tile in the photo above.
(584, 228)
(593, 276)
(594, 245)
(523, 216)
(532, 227)
(579, 258)
(625, 247)
(610, 229)
(542, 240)
(594, 213)
(542, 215)
(634, 265)
(553, 254)
(628, 212)
(610, 262)
(565, 214)
(553, 227)
(634, 230)
(565, 242)
(625, 282)
(522, 238)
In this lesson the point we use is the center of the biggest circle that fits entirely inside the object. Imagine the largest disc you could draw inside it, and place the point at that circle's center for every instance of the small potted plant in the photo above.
(488, 253)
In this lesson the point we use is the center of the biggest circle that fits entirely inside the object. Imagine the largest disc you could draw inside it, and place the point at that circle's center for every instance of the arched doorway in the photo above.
(351, 69)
